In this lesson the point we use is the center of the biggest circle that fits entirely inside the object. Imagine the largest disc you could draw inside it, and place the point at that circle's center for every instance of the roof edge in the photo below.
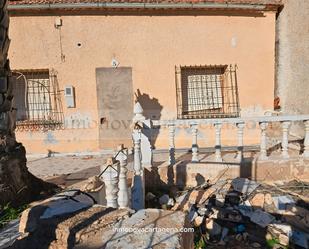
(149, 5)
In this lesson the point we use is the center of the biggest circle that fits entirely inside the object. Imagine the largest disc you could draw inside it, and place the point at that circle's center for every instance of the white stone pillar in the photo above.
(111, 178)
(146, 130)
(137, 166)
(123, 194)
(218, 127)
(171, 136)
(285, 138)
(263, 145)
(240, 139)
(138, 185)
(306, 142)
(194, 129)
(138, 112)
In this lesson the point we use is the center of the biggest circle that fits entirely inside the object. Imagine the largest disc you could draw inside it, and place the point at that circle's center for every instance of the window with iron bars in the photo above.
(37, 100)
(207, 92)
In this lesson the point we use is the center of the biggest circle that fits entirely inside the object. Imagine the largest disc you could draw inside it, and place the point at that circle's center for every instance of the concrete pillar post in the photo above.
(138, 184)
(285, 138)
(171, 133)
(240, 139)
(194, 129)
(306, 142)
(110, 177)
(218, 127)
(263, 144)
(137, 152)
(123, 194)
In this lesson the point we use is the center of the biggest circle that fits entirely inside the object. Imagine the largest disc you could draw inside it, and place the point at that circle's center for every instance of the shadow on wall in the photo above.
(152, 110)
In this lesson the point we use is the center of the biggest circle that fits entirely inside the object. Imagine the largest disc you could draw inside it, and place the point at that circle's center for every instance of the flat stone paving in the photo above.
(68, 170)
(53, 166)
(58, 165)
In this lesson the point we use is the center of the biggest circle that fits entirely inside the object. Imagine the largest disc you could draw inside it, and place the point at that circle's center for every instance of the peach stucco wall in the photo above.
(152, 46)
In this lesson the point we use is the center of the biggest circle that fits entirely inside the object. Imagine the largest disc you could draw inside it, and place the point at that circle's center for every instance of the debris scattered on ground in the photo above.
(150, 196)
(93, 184)
(9, 234)
(242, 213)
(282, 202)
(164, 199)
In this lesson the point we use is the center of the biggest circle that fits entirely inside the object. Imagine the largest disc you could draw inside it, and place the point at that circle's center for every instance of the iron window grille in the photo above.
(207, 92)
(37, 100)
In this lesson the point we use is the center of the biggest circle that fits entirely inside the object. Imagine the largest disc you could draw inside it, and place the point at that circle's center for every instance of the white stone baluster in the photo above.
(111, 178)
(285, 138)
(123, 195)
(194, 129)
(263, 145)
(240, 139)
(218, 127)
(171, 133)
(306, 142)
(138, 185)
(137, 152)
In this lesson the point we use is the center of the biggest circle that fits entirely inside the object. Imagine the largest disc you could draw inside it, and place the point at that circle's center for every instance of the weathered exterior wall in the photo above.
(292, 81)
(152, 46)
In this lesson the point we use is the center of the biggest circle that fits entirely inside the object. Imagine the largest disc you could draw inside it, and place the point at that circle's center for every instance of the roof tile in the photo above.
(267, 2)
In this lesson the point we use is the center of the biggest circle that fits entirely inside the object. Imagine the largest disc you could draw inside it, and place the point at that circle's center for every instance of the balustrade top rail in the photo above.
(259, 119)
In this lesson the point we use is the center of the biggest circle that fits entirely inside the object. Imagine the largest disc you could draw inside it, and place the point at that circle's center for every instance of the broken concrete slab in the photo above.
(151, 228)
(9, 234)
(83, 229)
(244, 185)
(67, 202)
(64, 203)
(86, 229)
(261, 218)
(283, 202)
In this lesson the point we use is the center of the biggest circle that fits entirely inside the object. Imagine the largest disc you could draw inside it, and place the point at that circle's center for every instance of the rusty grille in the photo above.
(37, 100)
(207, 92)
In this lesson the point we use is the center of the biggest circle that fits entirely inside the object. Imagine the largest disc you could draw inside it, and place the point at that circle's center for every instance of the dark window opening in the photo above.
(207, 92)
(37, 100)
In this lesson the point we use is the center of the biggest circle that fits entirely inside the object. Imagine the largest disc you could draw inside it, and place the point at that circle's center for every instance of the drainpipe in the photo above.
(110, 5)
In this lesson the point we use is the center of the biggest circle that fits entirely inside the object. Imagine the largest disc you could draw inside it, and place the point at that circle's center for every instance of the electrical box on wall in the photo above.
(69, 95)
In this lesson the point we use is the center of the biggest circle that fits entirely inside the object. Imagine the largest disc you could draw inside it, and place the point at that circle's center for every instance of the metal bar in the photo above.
(236, 88)
(232, 85)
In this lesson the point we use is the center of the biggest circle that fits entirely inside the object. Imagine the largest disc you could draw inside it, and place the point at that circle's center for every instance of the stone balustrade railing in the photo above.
(239, 123)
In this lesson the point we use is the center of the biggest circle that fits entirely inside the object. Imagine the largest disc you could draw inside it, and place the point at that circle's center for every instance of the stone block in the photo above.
(151, 228)
(271, 170)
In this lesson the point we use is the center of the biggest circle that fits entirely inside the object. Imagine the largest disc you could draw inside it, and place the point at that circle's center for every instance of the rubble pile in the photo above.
(241, 213)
